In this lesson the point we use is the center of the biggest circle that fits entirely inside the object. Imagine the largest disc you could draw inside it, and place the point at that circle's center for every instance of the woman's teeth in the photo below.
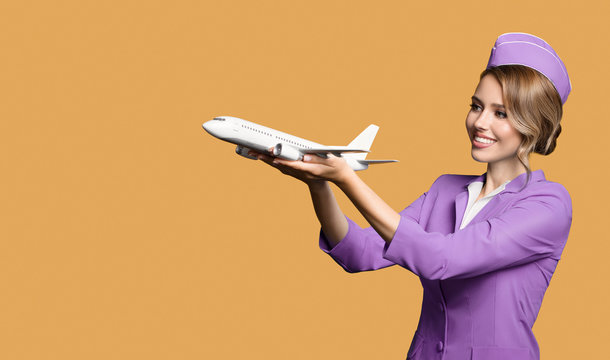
(484, 140)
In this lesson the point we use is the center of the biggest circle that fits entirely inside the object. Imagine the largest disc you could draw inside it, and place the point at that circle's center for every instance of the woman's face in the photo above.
(492, 136)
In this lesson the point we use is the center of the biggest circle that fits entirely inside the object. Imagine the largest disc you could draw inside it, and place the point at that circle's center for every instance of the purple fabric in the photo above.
(483, 284)
(531, 51)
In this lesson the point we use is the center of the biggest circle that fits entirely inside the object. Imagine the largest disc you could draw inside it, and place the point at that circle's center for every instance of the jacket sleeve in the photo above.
(534, 227)
(361, 249)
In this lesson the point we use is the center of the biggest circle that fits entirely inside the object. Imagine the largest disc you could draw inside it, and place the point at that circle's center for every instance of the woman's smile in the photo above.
(482, 141)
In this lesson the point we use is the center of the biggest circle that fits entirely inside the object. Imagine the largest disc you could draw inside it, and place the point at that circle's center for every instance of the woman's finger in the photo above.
(311, 168)
(313, 158)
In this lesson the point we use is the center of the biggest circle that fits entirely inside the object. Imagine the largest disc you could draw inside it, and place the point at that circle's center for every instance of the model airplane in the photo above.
(250, 136)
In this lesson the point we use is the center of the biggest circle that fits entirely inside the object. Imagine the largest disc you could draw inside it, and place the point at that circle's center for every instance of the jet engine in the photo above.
(243, 151)
(287, 152)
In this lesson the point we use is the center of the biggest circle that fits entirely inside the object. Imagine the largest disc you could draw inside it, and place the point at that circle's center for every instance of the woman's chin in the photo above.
(479, 158)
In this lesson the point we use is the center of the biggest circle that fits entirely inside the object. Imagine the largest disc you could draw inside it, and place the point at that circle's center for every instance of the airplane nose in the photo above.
(209, 126)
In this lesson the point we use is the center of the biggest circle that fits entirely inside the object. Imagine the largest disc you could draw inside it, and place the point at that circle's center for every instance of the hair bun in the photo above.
(544, 149)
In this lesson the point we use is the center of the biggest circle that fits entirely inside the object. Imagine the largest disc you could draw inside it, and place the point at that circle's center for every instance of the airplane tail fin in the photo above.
(362, 141)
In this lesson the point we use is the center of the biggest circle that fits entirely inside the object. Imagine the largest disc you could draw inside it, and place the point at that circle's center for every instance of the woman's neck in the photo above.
(500, 172)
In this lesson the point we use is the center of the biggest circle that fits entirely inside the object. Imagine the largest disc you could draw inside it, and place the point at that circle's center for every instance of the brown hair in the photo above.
(534, 106)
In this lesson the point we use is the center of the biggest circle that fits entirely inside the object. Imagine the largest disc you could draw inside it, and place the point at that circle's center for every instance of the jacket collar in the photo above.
(515, 184)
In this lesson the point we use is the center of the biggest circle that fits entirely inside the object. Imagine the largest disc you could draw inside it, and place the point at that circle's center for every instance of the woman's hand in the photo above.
(312, 170)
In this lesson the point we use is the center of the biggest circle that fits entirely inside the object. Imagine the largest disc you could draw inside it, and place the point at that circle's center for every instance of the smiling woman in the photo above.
(485, 247)
(534, 106)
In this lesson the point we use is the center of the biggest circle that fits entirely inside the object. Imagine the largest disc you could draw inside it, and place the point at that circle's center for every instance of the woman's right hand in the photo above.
(312, 170)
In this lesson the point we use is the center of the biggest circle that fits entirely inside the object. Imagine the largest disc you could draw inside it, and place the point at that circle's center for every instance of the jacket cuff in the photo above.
(336, 250)
(391, 250)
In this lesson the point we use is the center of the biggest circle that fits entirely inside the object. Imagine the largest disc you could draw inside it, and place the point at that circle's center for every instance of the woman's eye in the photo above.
(501, 114)
(475, 107)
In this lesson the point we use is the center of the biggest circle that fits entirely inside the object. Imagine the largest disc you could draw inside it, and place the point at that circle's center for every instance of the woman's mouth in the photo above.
(482, 142)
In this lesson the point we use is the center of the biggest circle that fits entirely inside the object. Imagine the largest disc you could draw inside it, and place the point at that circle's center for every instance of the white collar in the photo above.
(476, 187)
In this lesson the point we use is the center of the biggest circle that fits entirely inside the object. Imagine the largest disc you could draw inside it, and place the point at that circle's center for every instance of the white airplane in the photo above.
(250, 136)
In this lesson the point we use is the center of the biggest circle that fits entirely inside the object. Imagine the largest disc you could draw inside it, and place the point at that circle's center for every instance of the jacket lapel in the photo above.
(461, 200)
(487, 209)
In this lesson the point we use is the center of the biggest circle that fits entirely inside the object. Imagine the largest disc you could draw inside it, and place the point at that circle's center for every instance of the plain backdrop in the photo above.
(127, 232)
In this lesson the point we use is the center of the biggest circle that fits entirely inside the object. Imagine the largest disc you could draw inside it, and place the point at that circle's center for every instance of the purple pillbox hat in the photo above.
(531, 51)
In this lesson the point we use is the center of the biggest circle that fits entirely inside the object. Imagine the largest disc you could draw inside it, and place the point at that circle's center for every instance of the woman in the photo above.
(485, 247)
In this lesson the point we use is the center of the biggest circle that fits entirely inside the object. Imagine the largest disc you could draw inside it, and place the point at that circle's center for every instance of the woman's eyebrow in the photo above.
(474, 98)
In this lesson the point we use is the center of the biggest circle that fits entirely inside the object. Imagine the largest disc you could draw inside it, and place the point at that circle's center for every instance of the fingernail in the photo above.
(306, 157)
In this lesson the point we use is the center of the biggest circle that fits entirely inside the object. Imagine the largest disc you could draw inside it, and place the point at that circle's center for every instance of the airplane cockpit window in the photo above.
(219, 119)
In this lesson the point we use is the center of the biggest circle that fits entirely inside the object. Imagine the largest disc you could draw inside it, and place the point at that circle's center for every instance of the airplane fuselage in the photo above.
(251, 136)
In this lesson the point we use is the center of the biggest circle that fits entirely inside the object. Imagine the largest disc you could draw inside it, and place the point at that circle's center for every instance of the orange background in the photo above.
(127, 232)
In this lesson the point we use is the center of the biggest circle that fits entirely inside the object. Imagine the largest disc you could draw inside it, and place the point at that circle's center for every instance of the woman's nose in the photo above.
(483, 120)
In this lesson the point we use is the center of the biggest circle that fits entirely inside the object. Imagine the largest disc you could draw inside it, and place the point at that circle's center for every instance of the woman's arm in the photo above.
(333, 222)
(352, 247)
(313, 170)
(534, 227)
(331, 218)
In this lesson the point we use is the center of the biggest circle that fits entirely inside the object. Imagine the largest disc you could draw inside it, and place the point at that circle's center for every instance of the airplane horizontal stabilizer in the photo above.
(368, 162)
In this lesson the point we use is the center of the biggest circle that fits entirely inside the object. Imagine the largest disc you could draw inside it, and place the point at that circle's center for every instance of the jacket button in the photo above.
(440, 346)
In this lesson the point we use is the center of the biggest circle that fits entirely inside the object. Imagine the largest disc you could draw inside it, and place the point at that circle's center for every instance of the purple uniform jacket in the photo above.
(483, 284)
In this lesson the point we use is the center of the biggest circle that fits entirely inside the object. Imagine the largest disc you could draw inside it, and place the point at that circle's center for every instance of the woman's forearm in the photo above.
(379, 214)
(333, 222)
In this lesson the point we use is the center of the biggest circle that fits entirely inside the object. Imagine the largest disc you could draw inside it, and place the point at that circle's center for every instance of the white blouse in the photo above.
(473, 208)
